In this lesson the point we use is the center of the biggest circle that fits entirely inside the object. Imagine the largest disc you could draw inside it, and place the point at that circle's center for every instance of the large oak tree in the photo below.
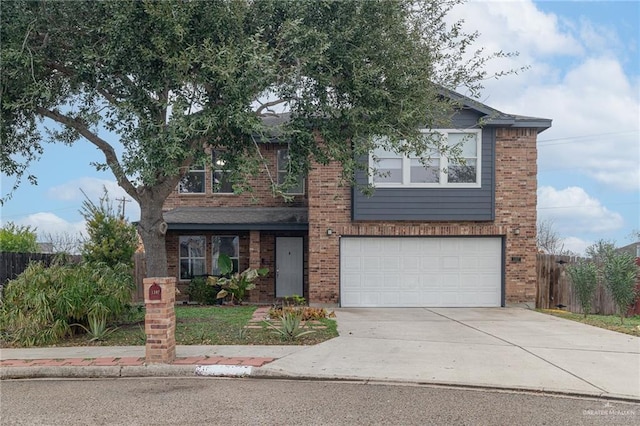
(152, 84)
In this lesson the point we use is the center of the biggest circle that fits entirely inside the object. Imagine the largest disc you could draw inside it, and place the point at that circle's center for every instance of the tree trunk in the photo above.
(153, 228)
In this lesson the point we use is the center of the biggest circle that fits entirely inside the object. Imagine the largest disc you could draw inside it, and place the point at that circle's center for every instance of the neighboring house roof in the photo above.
(237, 218)
(633, 249)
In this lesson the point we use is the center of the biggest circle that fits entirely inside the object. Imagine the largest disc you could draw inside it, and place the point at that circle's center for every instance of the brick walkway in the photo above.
(133, 361)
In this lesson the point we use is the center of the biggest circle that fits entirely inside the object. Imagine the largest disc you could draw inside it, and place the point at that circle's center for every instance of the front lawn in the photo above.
(610, 322)
(208, 325)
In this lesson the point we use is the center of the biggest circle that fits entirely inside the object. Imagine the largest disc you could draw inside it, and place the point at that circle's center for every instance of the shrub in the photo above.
(201, 292)
(40, 305)
(112, 240)
(619, 274)
(237, 285)
(584, 276)
(18, 239)
(290, 328)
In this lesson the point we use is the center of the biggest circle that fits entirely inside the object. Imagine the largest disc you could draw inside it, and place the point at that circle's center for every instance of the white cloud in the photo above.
(576, 78)
(93, 188)
(49, 223)
(576, 245)
(573, 211)
(529, 29)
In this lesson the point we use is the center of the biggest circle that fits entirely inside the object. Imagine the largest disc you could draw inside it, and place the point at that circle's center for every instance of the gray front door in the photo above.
(289, 266)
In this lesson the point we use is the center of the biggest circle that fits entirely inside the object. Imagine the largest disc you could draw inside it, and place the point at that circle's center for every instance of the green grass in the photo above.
(204, 325)
(610, 322)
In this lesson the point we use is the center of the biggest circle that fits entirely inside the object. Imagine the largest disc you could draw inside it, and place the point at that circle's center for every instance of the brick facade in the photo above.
(515, 198)
(329, 208)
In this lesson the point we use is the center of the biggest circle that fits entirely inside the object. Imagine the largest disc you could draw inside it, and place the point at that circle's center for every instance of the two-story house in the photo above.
(436, 235)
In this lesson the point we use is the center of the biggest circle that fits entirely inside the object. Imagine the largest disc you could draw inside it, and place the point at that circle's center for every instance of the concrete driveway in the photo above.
(510, 348)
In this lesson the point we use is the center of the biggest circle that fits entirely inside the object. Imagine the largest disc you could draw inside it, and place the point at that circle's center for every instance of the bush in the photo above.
(619, 274)
(584, 276)
(201, 292)
(42, 304)
(112, 240)
(18, 239)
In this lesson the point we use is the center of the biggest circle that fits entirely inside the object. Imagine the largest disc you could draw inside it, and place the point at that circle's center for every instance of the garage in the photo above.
(420, 272)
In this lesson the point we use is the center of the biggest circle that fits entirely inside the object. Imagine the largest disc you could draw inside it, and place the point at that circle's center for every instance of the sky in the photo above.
(583, 72)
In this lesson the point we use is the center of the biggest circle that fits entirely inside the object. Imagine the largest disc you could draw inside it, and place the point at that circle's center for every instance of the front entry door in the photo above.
(289, 266)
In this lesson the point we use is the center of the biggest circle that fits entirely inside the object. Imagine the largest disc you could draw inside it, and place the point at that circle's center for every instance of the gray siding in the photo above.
(434, 204)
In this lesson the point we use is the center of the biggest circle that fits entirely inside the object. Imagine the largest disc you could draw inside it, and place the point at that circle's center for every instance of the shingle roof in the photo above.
(237, 218)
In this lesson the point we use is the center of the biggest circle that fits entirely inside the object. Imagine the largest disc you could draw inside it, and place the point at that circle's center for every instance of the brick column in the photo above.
(160, 319)
(254, 261)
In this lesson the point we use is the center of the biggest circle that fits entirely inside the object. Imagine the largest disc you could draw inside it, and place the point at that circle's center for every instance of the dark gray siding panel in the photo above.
(433, 204)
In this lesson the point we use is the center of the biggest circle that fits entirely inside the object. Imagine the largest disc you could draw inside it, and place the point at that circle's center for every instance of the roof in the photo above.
(237, 218)
(493, 117)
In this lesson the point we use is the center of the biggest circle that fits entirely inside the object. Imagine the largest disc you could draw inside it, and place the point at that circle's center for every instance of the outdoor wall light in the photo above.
(516, 231)
(329, 231)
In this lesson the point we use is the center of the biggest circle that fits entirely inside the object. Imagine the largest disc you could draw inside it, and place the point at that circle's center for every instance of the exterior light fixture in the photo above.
(329, 231)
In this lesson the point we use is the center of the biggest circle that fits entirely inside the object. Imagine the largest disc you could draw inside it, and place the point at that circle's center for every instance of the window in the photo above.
(229, 245)
(192, 256)
(193, 181)
(400, 170)
(221, 182)
(283, 170)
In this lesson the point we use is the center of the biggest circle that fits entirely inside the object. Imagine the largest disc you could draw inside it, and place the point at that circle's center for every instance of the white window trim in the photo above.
(406, 167)
(190, 257)
(215, 170)
(302, 179)
(193, 169)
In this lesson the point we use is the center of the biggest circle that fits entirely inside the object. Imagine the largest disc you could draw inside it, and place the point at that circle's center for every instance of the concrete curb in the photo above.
(66, 372)
(168, 370)
(270, 374)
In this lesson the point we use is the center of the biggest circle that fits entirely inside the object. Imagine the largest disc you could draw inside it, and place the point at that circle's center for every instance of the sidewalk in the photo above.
(502, 348)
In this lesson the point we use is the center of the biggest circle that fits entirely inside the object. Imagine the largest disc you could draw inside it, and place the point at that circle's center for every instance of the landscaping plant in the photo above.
(201, 292)
(42, 303)
(620, 273)
(235, 284)
(112, 240)
(289, 328)
(584, 276)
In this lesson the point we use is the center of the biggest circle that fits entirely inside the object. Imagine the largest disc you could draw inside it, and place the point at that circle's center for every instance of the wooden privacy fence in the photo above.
(13, 264)
(554, 288)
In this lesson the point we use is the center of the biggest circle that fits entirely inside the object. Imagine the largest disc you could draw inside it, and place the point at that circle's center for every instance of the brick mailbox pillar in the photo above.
(160, 319)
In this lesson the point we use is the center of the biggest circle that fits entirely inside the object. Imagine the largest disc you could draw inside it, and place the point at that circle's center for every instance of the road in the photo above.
(211, 401)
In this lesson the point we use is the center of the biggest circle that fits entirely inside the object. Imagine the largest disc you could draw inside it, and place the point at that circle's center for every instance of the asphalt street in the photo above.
(213, 401)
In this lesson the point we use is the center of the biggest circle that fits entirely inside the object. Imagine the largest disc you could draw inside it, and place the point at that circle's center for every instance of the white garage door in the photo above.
(425, 272)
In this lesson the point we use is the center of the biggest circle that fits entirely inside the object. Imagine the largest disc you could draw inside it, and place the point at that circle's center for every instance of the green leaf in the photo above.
(225, 264)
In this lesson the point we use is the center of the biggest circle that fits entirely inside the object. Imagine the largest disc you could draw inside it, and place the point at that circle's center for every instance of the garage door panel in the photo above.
(404, 272)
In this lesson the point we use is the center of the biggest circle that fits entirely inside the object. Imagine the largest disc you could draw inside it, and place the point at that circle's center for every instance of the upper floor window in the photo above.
(283, 170)
(462, 170)
(192, 256)
(193, 181)
(220, 175)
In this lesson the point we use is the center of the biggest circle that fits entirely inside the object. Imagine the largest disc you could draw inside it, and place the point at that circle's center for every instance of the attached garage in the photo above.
(421, 272)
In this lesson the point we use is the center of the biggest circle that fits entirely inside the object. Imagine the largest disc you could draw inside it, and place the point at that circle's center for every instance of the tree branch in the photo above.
(101, 144)
(267, 105)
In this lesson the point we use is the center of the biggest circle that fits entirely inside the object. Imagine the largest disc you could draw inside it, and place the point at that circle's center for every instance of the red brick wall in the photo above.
(329, 208)
(260, 195)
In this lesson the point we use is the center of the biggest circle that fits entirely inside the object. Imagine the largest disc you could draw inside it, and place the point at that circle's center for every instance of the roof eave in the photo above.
(238, 226)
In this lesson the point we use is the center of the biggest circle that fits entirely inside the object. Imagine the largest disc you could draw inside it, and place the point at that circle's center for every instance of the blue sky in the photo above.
(584, 73)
